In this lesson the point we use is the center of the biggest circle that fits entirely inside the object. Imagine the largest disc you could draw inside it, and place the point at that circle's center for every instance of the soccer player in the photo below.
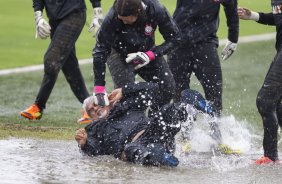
(66, 20)
(269, 96)
(122, 128)
(199, 20)
(126, 42)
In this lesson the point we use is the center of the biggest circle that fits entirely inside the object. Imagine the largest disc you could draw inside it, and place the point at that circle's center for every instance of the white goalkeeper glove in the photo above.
(228, 50)
(100, 96)
(43, 29)
(140, 59)
(96, 21)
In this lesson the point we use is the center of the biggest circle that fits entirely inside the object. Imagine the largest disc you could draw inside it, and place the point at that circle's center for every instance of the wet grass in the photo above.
(243, 75)
(18, 47)
(41, 132)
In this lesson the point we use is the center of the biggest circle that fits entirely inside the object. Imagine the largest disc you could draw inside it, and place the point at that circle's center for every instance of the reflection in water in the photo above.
(41, 161)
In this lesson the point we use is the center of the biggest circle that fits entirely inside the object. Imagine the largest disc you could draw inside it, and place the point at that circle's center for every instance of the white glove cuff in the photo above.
(38, 13)
(98, 12)
(254, 16)
(38, 16)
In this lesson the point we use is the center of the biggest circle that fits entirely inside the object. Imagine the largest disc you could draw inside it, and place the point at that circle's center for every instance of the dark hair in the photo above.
(128, 7)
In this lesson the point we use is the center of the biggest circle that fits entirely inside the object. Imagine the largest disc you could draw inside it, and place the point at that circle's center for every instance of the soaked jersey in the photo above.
(140, 36)
(109, 135)
(199, 19)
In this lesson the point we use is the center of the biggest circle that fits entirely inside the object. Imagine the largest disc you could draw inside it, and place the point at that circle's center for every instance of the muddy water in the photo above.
(41, 161)
(38, 161)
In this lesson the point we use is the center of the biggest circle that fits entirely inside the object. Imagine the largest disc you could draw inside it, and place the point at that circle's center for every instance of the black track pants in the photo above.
(269, 106)
(203, 60)
(61, 56)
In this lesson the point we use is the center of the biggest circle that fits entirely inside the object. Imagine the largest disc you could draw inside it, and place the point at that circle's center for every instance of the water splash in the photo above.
(235, 134)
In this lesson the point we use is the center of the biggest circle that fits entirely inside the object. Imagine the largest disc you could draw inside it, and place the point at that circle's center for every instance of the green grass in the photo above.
(18, 47)
(243, 75)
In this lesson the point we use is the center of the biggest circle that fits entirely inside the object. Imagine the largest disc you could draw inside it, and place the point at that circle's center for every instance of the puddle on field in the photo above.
(42, 161)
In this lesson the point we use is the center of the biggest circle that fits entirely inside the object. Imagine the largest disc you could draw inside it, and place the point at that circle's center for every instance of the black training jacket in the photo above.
(274, 20)
(199, 19)
(58, 9)
(139, 36)
(108, 136)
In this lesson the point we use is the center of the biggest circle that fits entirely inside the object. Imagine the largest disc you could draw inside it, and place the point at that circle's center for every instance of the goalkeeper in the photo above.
(66, 20)
(122, 129)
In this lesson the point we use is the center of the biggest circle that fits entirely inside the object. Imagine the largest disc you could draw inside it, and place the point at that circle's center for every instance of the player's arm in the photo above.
(38, 5)
(104, 41)
(230, 9)
(262, 18)
(140, 95)
(169, 30)
(266, 18)
(97, 17)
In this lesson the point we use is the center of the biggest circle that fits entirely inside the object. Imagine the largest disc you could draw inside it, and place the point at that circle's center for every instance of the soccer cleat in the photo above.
(226, 150)
(265, 160)
(32, 113)
(85, 119)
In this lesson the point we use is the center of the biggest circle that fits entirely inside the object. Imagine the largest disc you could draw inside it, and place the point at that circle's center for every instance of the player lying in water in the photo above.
(122, 129)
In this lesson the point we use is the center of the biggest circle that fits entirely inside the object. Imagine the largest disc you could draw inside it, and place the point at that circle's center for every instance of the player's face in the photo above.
(97, 112)
(128, 19)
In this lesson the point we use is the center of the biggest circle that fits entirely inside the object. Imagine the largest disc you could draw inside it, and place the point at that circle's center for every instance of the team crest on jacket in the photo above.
(149, 30)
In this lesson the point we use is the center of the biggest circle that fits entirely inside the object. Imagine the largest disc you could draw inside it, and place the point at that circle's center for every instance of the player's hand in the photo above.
(140, 59)
(228, 50)
(81, 136)
(115, 96)
(96, 21)
(246, 14)
(43, 29)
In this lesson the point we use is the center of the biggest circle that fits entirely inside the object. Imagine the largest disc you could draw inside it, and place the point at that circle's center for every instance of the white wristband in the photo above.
(254, 16)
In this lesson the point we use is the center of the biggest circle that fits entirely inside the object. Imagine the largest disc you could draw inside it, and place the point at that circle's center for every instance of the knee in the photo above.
(264, 105)
(51, 65)
(51, 69)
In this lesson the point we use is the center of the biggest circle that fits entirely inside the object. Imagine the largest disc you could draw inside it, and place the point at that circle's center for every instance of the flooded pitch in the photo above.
(42, 161)
(38, 161)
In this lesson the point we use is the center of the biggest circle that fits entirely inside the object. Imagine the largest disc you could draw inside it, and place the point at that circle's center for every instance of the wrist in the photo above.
(38, 16)
(151, 55)
(38, 13)
(254, 16)
(99, 89)
(98, 12)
